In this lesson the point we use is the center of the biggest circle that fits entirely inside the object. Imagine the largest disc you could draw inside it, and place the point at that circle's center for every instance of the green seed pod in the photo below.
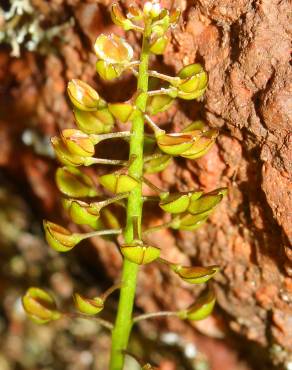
(88, 306)
(40, 306)
(82, 213)
(201, 146)
(195, 275)
(157, 164)
(78, 142)
(107, 71)
(74, 183)
(118, 183)
(100, 121)
(175, 203)
(82, 95)
(66, 157)
(158, 103)
(178, 202)
(140, 253)
(197, 125)
(121, 111)
(158, 45)
(119, 19)
(202, 308)
(207, 202)
(174, 144)
(113, 49)
(59, 238)
(189, 222)
(190, 96)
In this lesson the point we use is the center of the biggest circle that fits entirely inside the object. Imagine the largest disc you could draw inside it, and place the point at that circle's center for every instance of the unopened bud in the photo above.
(82, 95)
(40, 306)
(140, 253)
(74, 183)
(88, 306)
(59, 238)
(118, 183)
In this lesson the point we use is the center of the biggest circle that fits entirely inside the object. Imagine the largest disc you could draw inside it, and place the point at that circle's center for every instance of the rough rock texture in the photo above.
(245, 47)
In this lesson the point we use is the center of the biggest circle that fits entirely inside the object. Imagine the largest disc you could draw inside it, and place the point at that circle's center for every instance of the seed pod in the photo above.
(202, 308)
(113, 49)
(59, 238)
(140, 253)
(97, 122)
(119, 19)
(88, 306)
(158, 45)
(207, 202)
(178, 202)
(40, 306)
(121, 111)
(174, 144)
(82, 95)
(107, 71)
(158, 103)
(157, 164)
(74, 183)
(197, 125)
(195, 274)
(118, 183)
(201, 146)
(82, 213)
(189, 222)
(78, 142)
(66, 157)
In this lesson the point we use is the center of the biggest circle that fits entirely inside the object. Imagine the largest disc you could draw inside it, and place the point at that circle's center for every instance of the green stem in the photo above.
(123, 324)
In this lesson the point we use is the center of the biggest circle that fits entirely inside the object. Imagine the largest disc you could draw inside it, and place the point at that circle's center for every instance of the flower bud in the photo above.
(82, 213)
(74, 183)
(40, 306)
(140, 253)
(121, 111)
(157, 164)
(207, 202)
(201, 146)
(158, 45)
(113, 49)
(66, 157)
(97, 122)
(174, 144)
(118, 183)
(195, 274)
(202, 308)
(82, 95)
(59, 238)
(119, 19)
(189, 222)
(152, 9)
(88, 306)
(158, 103)
(78, 142)
(107, 71)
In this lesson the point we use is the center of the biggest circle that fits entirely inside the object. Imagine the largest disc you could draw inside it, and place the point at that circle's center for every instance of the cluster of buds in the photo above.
(95, 119)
